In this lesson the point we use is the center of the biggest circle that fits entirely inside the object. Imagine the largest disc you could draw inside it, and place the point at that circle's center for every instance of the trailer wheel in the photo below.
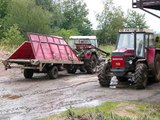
(53, 72)
(91, 65)
(28, 73)
(72, 69)
(82, 69)
(140, 76)
(157, 68)
(104, 80)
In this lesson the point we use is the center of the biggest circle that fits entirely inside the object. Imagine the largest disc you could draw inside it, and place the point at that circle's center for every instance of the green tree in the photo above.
(135, 20)
(28, 16)
(75, 16)
(12, 36)
(67, 33)
(3, 13)
(45, 4)
(110, 21)
(3, 8)
(54, 8)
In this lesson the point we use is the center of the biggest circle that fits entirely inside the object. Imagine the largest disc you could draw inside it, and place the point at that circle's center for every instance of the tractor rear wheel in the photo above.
(53, 72)
(104, 80)
(140, 76)
(28, 73)
(91, 65)
(157, 68)
(72, 69)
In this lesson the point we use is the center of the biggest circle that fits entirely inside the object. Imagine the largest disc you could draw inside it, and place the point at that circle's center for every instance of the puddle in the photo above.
(11, 97)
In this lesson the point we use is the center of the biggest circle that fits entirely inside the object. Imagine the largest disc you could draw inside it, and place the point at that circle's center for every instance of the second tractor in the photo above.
(135, 59)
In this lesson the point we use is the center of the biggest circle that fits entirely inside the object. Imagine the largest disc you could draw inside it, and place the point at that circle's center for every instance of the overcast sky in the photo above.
(96, 6)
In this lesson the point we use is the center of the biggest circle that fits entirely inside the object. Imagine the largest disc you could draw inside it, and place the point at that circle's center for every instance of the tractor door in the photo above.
(150, 48)
(140, 45)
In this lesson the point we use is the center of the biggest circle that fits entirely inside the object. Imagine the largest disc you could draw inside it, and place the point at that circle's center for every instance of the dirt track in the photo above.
(29, 99)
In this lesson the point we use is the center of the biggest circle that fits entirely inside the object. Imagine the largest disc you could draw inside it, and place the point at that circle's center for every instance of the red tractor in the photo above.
(135, 59)
(87, 51)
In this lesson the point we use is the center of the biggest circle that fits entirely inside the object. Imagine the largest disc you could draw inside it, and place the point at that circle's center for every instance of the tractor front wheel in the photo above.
(91, 65)
(28, 73)
(140, 76)
(53, 72)
(104, 80)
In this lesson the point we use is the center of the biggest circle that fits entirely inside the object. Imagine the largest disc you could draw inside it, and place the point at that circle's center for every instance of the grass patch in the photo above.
(111, 111)
(107, 48)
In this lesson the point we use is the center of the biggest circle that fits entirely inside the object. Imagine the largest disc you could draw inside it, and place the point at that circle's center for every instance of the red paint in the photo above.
(117, 62)
(83, 46)
(127, 52)
(150, 55)
(23, 52)
(87, 55)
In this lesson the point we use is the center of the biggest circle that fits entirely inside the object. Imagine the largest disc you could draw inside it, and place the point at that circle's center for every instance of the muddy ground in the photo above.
(22, 99)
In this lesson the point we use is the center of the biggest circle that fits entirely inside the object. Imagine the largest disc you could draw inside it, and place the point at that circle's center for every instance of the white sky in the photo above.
(96, 6)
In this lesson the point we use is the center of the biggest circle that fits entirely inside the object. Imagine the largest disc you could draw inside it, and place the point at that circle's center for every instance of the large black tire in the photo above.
(82, 69)
(141, 76)
(104, 80)
(53, 72)
(72, 69)
(28, 73)
(157, 68)
(91, 65)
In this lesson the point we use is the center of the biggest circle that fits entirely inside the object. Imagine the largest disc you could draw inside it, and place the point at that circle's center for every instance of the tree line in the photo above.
(63, 18)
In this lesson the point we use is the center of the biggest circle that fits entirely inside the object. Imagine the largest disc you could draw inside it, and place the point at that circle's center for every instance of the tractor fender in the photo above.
(89, 54)
(141, 61)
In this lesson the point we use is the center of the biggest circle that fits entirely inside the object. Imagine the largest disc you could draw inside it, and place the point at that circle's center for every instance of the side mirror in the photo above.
(157, 39)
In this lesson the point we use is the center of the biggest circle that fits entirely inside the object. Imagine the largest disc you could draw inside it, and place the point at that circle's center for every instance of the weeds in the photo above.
(111, 111)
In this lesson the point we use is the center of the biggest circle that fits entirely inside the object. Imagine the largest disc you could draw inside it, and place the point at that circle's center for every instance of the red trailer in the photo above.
(43, 54)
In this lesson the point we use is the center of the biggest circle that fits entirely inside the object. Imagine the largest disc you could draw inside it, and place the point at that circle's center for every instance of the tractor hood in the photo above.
(123, 52)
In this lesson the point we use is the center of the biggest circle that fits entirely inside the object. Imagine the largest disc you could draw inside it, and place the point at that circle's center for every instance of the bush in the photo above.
(12, 36)
(67, 33)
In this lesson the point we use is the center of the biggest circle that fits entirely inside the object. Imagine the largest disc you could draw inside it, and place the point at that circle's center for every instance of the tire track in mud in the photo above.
(41, 96)
(47, 104)
(151, 98)
(59, 101)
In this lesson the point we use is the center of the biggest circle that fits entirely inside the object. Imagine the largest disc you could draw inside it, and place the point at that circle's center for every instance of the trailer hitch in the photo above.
(6, 64)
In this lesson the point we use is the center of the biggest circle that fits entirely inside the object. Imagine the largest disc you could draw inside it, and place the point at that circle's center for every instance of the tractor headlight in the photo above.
(130, 62)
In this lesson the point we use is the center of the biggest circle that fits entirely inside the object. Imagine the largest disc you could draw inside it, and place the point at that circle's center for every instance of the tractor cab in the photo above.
(134, 59)
(137, 40)
(83, 42)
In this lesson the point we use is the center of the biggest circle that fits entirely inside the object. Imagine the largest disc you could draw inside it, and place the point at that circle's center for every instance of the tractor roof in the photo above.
(82, 37)
(136, 29)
